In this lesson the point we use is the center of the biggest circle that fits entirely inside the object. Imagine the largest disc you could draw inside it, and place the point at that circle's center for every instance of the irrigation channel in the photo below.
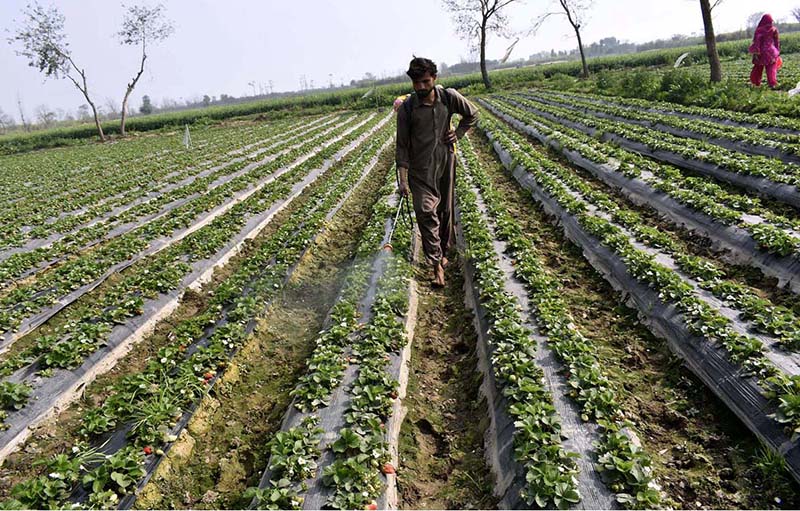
(234, 328)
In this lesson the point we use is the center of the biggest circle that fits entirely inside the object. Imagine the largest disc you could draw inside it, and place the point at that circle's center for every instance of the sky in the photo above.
(220, 47)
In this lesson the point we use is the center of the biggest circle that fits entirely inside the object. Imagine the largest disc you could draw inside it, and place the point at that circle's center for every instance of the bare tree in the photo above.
(45, 46)
(45, 116)
(142, 25)
(575, 12)
(83, 112)
(706, 6)
(112, 106)
(796, 13)
(475, 20)
(752, 22)
(6, 121)
(25, 124)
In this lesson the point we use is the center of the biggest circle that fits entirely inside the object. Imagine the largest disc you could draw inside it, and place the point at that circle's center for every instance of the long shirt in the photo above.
(420, 139)
(767, 45)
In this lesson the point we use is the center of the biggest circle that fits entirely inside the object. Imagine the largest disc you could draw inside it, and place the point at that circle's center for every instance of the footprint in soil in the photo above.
(426, 429)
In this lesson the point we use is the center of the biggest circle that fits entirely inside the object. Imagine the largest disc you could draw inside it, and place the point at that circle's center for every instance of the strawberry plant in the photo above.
(293, 453)
(13, 396)
(278, 495)
(118, 473)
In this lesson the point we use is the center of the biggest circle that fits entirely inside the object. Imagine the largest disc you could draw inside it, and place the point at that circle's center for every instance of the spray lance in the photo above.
(399, 216)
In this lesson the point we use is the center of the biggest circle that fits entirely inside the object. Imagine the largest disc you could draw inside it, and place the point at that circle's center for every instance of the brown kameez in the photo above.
(431, 165)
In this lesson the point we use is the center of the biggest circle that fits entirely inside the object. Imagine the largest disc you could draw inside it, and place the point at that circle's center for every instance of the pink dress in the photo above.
(766, 49)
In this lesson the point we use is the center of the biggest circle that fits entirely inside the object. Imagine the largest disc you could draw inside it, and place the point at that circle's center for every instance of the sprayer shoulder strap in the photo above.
(445, 99)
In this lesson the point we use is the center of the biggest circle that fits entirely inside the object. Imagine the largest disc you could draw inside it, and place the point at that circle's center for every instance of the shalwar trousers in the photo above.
(433, 197)
(758, 71)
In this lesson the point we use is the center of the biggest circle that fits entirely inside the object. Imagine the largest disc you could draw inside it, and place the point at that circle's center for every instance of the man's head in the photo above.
(423, 76)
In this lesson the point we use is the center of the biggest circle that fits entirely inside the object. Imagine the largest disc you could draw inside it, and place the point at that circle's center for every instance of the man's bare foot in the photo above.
(438, 275)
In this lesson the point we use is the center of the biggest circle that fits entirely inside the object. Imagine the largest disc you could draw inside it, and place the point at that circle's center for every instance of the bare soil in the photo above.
(442, 462)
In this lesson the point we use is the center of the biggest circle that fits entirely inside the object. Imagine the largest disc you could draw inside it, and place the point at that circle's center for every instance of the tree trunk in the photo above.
(585, 71)
(22, 115)
(85, 91)
(96, 120)
(124, 112)
(711, 42)
(484, 74)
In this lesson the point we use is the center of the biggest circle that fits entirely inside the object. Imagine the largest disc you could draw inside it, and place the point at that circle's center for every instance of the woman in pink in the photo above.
(766, 50)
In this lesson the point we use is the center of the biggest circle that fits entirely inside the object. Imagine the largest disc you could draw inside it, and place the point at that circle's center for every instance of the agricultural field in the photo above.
(248, 322)
(739, 69)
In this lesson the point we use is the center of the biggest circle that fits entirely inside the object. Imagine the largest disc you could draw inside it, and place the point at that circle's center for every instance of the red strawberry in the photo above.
(388, 468)
(208, 376)
(148, 450)
(372, 506)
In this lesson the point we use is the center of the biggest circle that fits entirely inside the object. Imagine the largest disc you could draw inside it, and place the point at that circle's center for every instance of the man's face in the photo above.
(424, 84)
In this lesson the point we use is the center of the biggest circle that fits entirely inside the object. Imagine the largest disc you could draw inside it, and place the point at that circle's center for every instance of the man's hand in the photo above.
(450, 137)
(402, 187)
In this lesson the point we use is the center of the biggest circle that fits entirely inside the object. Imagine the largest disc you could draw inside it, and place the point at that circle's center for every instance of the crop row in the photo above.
(153, 400)
(767, 317)
(361, 452)
(92, 161)
(701, 319)
(351, 476)
(623, 466)
(771, 232)
(290, 468)
(67, 185)
(550, 470)
(739, 69)
(79, 196)
(734, 137)
(690, 149)
(328, 361)
(27, 299)
(25, 230)
(86, 329)
(135, 216)
(775, 123)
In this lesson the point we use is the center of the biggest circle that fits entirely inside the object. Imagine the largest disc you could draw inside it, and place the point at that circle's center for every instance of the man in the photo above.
(426, 159)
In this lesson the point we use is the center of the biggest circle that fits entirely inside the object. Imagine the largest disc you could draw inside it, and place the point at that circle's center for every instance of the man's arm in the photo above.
(401, 151)
(401, 144)
(469, 114)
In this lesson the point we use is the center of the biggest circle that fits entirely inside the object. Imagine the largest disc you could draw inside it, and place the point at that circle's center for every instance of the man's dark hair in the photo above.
(419, 66)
